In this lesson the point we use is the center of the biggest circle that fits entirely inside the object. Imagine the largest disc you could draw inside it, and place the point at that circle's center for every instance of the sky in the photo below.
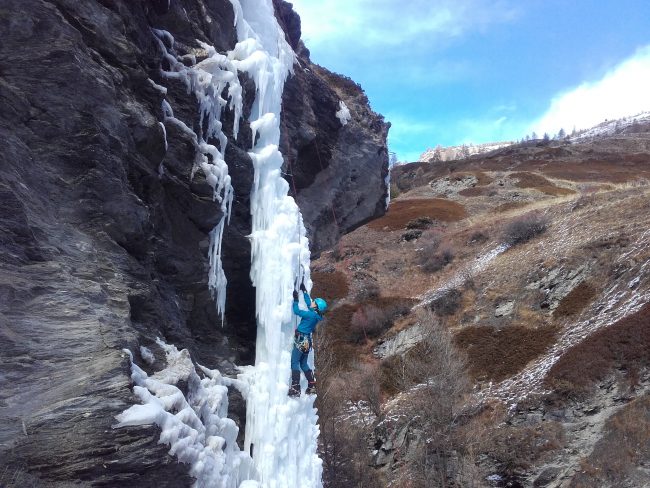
(455, 72)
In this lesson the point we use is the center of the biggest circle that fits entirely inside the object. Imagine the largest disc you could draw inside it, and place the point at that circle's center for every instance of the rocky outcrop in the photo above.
(104, 232)
(324, 154)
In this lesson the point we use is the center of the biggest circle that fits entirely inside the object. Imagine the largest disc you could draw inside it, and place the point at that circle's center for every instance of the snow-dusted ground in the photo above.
(281, 432)
(623, 297)
(459, 278)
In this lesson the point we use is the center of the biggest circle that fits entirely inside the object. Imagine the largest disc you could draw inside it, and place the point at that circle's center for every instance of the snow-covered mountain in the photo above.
(463, 151)
(610, 127)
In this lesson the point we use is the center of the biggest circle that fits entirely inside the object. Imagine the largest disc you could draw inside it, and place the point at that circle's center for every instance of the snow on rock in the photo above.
(147, 355)
(343, 113)
(194, 425)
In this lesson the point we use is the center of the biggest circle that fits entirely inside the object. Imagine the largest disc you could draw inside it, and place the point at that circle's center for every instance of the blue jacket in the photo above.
(309, 317)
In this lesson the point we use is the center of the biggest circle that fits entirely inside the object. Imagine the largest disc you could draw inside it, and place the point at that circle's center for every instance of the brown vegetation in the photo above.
(517, 448)
(538, 182)
(432, 261)
(434, 375)
(575, 301)
(475, 191)
(350, 325)
(401, 212)
(623, 345)
(523, 229)
(505, 207)
(495, 354)
(330, 286)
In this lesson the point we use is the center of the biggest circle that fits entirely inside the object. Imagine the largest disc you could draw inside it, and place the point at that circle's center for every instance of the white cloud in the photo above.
(393, 22)
(623, 91)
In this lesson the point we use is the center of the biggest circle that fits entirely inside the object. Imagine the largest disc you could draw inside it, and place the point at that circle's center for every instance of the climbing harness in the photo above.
(302, 342)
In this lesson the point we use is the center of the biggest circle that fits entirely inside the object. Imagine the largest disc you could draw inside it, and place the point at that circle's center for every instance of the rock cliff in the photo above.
(104, 231)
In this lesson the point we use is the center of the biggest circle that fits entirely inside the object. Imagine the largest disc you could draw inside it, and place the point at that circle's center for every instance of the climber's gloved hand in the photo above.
(302, 287)
(295, 296)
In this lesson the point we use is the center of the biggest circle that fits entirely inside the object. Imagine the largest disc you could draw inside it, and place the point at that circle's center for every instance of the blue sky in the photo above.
(470, 71)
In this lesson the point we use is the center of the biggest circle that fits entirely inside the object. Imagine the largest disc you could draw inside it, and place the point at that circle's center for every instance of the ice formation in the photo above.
(343, 113)
(281, 432)
(195, 425)
(207, 80)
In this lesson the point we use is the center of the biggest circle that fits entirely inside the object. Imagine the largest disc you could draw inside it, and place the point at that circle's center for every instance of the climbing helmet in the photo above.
(321, 304)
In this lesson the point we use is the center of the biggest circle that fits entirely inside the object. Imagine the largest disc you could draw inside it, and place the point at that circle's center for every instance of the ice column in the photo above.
(282, 433)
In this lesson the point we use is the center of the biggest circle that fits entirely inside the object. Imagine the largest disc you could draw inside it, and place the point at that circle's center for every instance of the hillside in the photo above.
(493, 328)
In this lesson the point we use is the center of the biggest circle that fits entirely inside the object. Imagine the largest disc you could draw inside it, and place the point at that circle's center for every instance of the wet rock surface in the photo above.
(104, 234)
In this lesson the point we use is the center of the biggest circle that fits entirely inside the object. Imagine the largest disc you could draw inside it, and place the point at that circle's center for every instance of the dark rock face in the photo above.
(339, 171)
(104, 234)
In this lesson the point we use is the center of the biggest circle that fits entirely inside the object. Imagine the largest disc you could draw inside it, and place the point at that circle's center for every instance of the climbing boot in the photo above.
(294, 391)
(311, 383)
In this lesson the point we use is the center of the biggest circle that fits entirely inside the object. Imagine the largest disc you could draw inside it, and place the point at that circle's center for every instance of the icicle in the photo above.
(207, 80)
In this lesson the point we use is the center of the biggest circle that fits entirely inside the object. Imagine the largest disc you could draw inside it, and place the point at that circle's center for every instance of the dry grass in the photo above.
(495, 354)
(401, 212)
(345, 325)
(330, 286)
(609, 169)
(506, 207)
(624, 345)
(476, 191)
(575, 301)
(517, 448)
(538, 182)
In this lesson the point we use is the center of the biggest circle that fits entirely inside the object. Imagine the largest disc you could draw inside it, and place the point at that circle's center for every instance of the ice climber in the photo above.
(302, 341)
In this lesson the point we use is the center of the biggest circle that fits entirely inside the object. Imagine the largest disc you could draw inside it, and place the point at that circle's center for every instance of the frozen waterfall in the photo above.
(281, 432)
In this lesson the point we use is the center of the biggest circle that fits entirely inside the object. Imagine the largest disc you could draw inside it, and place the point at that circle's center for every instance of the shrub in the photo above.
(524, 229)
(421, 223)
(369, 291)
(411, 235)
(435, 356)
(370, 320)
(448, 303)
(478, 238)
(431, 261)
(628, 430)
(516, 448)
